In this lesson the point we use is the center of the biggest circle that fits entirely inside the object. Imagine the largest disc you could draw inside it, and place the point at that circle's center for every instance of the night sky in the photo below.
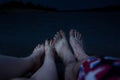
(72, 4)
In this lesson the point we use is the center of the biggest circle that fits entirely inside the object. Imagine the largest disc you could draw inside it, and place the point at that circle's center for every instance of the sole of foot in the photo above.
(77, 45)
(62, 48)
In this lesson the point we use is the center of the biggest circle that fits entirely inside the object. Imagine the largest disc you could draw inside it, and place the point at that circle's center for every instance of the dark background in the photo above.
(21, 30)
(25, 23)
(70, 4)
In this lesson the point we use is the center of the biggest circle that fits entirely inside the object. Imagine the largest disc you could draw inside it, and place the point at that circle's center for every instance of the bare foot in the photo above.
(62, 48)
(36, 56)
(48, 70)
(77, 45)
(49, 49)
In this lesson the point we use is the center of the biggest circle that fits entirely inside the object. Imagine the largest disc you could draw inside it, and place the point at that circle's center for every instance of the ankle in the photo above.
(70, 62)
(83, 59)
(49, 56)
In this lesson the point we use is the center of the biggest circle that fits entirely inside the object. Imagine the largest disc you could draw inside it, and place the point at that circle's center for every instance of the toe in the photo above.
(54, 40)
(79, 36)
(71, 33)
(55, 35)
(42, 46)
(75, 33)
(46, 43)
(50, 42)
(58, 35)
(62, 34)
(39, 45)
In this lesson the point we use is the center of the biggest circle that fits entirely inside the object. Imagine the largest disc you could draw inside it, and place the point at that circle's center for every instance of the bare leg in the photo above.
(63, 50)
(77, 46)
(48, 70)
(11, 67)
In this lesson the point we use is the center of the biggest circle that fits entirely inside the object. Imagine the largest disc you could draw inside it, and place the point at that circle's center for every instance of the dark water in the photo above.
(21, 32)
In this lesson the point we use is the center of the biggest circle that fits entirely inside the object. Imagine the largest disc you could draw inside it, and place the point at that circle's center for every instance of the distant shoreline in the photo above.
(22, 11)
(16, 10)
(14, 6)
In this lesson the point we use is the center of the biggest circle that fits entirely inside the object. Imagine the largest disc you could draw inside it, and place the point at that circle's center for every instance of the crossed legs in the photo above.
(11, 67)
(19, 66)
(48, 70)
(63, 50)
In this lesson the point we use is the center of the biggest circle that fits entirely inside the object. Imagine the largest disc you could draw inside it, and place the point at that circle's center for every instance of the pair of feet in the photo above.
(62, 48)
(39, 50)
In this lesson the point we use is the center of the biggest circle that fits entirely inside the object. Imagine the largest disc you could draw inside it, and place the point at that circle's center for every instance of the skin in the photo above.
(62, 48)
(77, 46)
(19, 66)
(64, 52)
(48, 70)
